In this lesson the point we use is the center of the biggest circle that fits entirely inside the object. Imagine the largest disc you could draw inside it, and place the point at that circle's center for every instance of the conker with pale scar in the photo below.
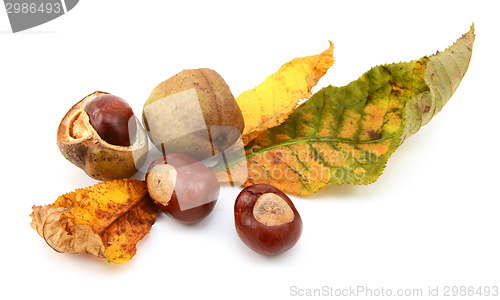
(182, 187)
(266, 219)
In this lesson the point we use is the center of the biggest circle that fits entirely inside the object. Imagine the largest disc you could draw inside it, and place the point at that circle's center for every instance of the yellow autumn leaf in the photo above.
(107, 220)
(270, 103)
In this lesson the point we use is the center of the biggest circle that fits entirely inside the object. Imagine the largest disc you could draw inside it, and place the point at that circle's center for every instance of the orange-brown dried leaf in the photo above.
(271, 102)
(107, 220)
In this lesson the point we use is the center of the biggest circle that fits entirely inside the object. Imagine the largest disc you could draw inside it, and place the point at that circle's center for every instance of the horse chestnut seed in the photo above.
(266, 219)
(182, 187)
(113, 119)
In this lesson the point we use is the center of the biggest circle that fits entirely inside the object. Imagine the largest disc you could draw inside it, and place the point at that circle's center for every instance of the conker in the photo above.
(113, 119)
(266, 219)
(182, 187)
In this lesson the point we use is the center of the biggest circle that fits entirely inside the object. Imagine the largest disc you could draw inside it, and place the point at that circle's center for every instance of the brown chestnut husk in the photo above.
(193, 112)
(81, 144)
(182, 187)
(266, 219)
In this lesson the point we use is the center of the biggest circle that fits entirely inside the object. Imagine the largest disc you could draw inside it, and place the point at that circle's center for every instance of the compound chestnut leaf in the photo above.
(347, 134)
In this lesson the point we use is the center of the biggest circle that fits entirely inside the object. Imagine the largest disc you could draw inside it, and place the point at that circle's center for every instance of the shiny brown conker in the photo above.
(182, 187)
(113, 119)
(266, 219)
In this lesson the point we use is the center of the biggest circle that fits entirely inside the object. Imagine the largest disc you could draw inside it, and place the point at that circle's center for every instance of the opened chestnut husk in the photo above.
(80, 143)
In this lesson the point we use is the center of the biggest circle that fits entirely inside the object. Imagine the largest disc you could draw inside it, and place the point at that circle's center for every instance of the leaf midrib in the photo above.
(308, 140)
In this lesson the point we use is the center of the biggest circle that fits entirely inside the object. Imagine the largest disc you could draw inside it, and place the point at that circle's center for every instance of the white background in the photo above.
(432, 218)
